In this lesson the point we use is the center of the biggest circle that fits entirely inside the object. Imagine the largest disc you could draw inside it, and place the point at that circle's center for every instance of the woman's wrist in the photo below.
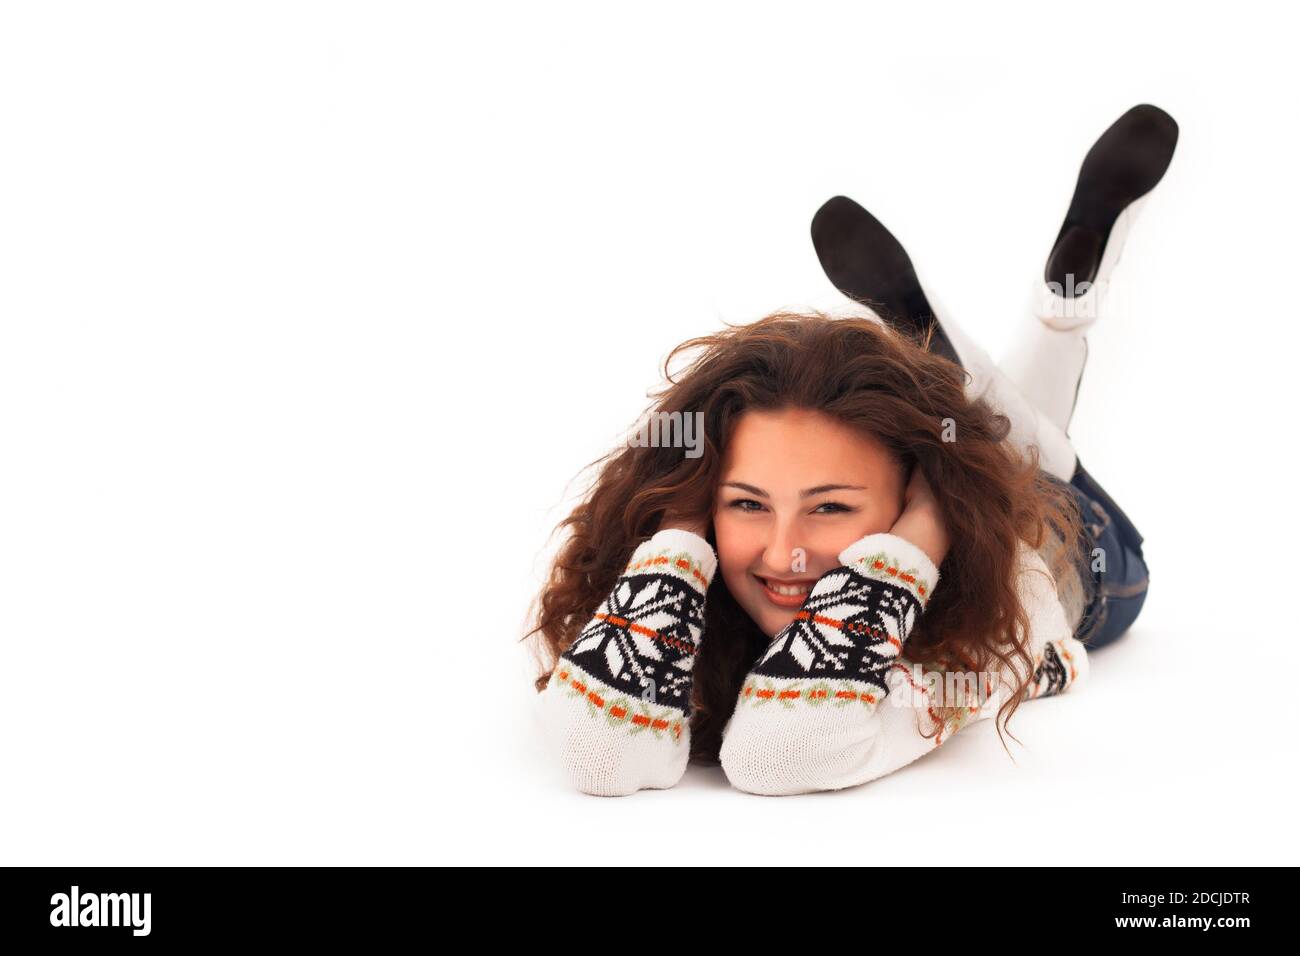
(683, 523)
(921, 522)
(922, 531)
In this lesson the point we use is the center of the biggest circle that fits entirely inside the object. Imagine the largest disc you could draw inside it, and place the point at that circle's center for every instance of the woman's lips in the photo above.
(788, 595)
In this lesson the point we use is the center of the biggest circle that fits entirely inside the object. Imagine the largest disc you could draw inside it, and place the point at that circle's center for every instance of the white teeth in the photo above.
(786, 589)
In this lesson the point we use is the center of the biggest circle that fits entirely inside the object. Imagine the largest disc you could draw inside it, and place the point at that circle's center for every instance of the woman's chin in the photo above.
(774, 622)
(771, 620)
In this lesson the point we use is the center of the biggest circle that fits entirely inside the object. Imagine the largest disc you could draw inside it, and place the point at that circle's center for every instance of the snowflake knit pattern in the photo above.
(810, 713)
(620, 696)
(828, 670)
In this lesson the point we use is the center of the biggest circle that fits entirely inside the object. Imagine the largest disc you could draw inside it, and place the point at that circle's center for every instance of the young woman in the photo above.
(882, 538)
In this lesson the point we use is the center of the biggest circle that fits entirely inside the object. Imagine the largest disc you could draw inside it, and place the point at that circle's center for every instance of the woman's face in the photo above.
(797, 488)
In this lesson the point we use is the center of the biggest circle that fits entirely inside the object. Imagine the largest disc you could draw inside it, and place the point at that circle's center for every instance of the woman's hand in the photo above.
(921, 521)
(672, 520)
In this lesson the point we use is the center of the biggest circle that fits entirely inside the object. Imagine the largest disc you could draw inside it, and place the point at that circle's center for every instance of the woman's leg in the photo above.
(1114, 567)
(1115, 181)
(1046, 365)
(1030, 426)
(1113, 564)
(868, 264)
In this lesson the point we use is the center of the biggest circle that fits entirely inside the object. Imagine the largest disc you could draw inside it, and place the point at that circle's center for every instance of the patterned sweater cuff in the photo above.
(887, 557)
(677, 552)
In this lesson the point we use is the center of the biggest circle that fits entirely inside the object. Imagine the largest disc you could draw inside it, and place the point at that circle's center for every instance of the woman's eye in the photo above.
(749, 504)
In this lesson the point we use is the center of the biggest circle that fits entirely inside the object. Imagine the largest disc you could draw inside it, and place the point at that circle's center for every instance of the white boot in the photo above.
(1115, 181)
(1049, 352)
(1030, 427)
(868, 264)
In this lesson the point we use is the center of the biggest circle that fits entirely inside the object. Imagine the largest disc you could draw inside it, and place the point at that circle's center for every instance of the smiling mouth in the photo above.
(784, 595)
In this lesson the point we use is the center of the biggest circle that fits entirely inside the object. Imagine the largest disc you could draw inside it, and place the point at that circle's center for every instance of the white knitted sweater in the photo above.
(832, 702)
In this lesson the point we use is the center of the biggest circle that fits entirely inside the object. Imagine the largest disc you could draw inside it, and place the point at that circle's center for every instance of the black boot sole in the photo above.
(1123, 165)
(866, 263)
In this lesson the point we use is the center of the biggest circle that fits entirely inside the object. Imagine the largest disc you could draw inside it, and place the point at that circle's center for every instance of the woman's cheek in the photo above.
(831, 541)
(730, 540)
(878, 522)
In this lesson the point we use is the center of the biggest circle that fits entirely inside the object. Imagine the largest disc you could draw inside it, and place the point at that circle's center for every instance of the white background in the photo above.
(311, 314)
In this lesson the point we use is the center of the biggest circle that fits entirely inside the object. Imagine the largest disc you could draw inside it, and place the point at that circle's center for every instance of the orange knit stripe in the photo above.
(814, 694)
(681, 563)
(617, 712)
(852, 628)
(648, 632)
(893, 572)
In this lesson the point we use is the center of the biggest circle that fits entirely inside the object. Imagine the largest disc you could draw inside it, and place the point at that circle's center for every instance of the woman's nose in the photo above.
(780, 553)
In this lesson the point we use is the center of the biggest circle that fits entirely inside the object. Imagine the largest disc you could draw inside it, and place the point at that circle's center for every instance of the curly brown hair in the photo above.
(873, 378)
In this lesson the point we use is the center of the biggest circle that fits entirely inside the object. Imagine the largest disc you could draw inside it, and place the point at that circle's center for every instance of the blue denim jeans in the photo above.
(1113, 568)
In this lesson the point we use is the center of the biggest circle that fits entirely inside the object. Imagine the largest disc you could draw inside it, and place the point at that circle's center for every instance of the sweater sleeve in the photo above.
(810, 714)
(816, 711)
(1060, 660)
(618, 703)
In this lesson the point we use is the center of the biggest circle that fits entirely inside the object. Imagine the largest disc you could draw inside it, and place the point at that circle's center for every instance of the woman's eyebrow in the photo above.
(808, 493)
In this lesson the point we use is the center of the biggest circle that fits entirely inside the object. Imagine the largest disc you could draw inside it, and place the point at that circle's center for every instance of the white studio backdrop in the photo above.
(312, 313)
